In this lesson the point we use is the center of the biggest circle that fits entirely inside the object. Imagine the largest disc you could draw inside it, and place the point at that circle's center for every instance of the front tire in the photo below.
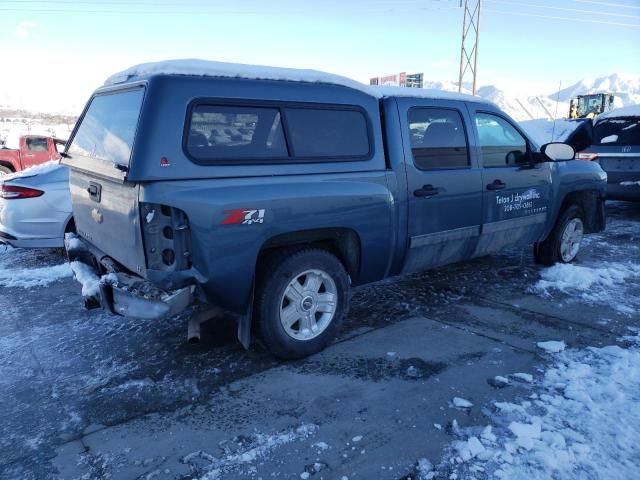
(5, 171)
(563, 243)
(301, 301)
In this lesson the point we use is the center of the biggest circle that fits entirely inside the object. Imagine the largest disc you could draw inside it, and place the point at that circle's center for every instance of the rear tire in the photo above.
(301, 301)
(5, 171)
(563, 243)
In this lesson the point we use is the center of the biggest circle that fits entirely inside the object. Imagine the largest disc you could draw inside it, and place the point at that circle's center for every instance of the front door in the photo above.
(444, 186)
(35, 151)
(515, 191)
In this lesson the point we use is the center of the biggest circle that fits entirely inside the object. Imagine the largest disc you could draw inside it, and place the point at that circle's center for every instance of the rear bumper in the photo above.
(10, 237)
(121, 293)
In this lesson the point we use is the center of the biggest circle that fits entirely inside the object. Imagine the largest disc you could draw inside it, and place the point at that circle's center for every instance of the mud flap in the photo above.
(244, 322)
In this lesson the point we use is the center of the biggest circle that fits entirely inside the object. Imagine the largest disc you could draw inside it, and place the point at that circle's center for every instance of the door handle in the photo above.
(426, 191)
(496, 185)
(29, 155)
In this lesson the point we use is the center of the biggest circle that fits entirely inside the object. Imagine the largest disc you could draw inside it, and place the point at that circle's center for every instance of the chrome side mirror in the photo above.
(558, 152)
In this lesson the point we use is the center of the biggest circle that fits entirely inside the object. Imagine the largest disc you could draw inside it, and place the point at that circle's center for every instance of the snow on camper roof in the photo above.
(207, 68)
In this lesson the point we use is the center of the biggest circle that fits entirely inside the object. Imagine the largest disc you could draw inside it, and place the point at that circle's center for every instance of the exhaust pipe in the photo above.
(91, 302)
(193, 327)
(193, 330)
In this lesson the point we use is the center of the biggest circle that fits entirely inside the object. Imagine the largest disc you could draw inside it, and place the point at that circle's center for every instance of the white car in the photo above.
(35, 207)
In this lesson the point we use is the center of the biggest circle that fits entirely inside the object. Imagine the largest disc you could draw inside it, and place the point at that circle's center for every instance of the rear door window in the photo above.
(327, 133)
(108, 128)
(438, 139)
(501, 144)
(235, 132)
(617, 131)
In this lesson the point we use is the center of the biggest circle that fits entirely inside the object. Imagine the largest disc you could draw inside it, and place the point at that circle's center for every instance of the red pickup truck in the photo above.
(34, 150)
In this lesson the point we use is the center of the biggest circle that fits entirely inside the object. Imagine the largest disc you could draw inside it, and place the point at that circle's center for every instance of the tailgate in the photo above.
(105, 204)
(108, 218)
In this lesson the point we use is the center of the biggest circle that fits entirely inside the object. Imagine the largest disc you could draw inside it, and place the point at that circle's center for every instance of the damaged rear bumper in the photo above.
(119, 292)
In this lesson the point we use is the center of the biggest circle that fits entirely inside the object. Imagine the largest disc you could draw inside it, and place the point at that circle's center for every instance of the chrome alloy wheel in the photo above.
(308, 304)
(571, 239)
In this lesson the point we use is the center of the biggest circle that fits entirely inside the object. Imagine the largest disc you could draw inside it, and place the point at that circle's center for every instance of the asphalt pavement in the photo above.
(88, 395)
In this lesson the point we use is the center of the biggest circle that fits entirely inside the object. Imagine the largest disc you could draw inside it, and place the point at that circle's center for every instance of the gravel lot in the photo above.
(87, 395)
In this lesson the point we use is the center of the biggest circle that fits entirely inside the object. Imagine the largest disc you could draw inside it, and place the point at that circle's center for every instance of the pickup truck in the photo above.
(33, 150)
(268, 193)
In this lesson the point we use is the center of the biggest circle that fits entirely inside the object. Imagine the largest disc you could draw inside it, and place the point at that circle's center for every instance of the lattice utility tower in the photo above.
(469, 47)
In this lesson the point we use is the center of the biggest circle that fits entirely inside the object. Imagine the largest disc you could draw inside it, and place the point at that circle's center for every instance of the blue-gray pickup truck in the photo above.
(268, 192)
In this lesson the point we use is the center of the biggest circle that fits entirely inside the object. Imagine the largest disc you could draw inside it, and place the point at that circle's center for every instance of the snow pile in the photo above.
(570, 278)
(458, 402)
(260, 446)
(581, 422)
(86, 277)
(630, 184)
(546, 131)
(33, 277)
(552, 346)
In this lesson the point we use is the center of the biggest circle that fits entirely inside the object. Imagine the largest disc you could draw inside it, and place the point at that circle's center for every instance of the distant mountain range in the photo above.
(625, 88)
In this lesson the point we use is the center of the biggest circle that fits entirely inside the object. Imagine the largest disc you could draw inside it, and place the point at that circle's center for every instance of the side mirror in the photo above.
(558, 152)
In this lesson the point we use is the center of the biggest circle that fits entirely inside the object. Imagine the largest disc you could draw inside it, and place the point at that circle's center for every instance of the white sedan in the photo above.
(35, 207)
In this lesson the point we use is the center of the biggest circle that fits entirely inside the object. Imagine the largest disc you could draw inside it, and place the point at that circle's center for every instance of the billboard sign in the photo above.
(401, 79)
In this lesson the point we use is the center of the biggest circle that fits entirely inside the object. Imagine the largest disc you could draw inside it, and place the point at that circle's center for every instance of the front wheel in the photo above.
(5, 171)
(302, 298)
(564, 241)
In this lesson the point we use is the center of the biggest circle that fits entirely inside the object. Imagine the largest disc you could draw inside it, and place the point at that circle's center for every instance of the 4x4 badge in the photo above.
(243, 216)
(626, 149)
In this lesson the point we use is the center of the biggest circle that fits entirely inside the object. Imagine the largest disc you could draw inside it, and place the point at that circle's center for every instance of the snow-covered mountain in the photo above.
(626, 89)
(556, 105)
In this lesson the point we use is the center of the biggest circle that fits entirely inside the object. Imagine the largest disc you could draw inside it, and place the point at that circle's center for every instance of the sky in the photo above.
(55, 53)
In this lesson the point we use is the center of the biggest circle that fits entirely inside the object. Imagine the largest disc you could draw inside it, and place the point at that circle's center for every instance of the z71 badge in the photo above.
(243, 217)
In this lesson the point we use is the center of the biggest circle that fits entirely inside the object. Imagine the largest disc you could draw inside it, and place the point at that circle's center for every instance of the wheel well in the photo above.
(344, 243)
(71, 226)
(592, 205)
(8, 165)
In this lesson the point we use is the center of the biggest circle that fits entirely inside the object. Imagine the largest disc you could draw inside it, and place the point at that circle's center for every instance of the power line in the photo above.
(537, 5)
(569, 19)
(608, 4)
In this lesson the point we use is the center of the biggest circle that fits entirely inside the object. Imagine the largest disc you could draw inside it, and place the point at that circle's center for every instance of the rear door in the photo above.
(444, 184)
(515, 191)
(105, 205)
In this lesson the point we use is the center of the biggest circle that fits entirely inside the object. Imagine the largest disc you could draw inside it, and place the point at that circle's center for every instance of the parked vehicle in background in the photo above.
(269, 192)
(590, 106)
(35, 207)
(33, 150)
(616, 147)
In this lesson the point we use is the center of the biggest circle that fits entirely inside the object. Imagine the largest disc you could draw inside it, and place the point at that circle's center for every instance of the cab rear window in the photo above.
(617, 131)
(223, 133)
(108, 128)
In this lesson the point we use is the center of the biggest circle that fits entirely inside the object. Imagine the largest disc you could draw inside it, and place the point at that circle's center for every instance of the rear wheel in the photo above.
(564, 241)
(4, 170)
(301, 300)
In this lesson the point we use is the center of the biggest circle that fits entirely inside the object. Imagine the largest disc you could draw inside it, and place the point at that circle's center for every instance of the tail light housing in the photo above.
(589, 157)
(166, 236)
(14, 192)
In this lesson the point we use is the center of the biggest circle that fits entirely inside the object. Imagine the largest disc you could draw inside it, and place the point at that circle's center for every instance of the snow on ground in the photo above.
(578, 422)
(28, 277)
(258, 448)
(598, 283)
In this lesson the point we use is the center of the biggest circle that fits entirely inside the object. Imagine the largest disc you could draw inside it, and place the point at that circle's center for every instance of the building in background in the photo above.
(401, 79)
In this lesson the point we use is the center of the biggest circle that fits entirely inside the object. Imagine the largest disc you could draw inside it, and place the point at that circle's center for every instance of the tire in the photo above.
(294, 310)
(5, 171)
(562, 246)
